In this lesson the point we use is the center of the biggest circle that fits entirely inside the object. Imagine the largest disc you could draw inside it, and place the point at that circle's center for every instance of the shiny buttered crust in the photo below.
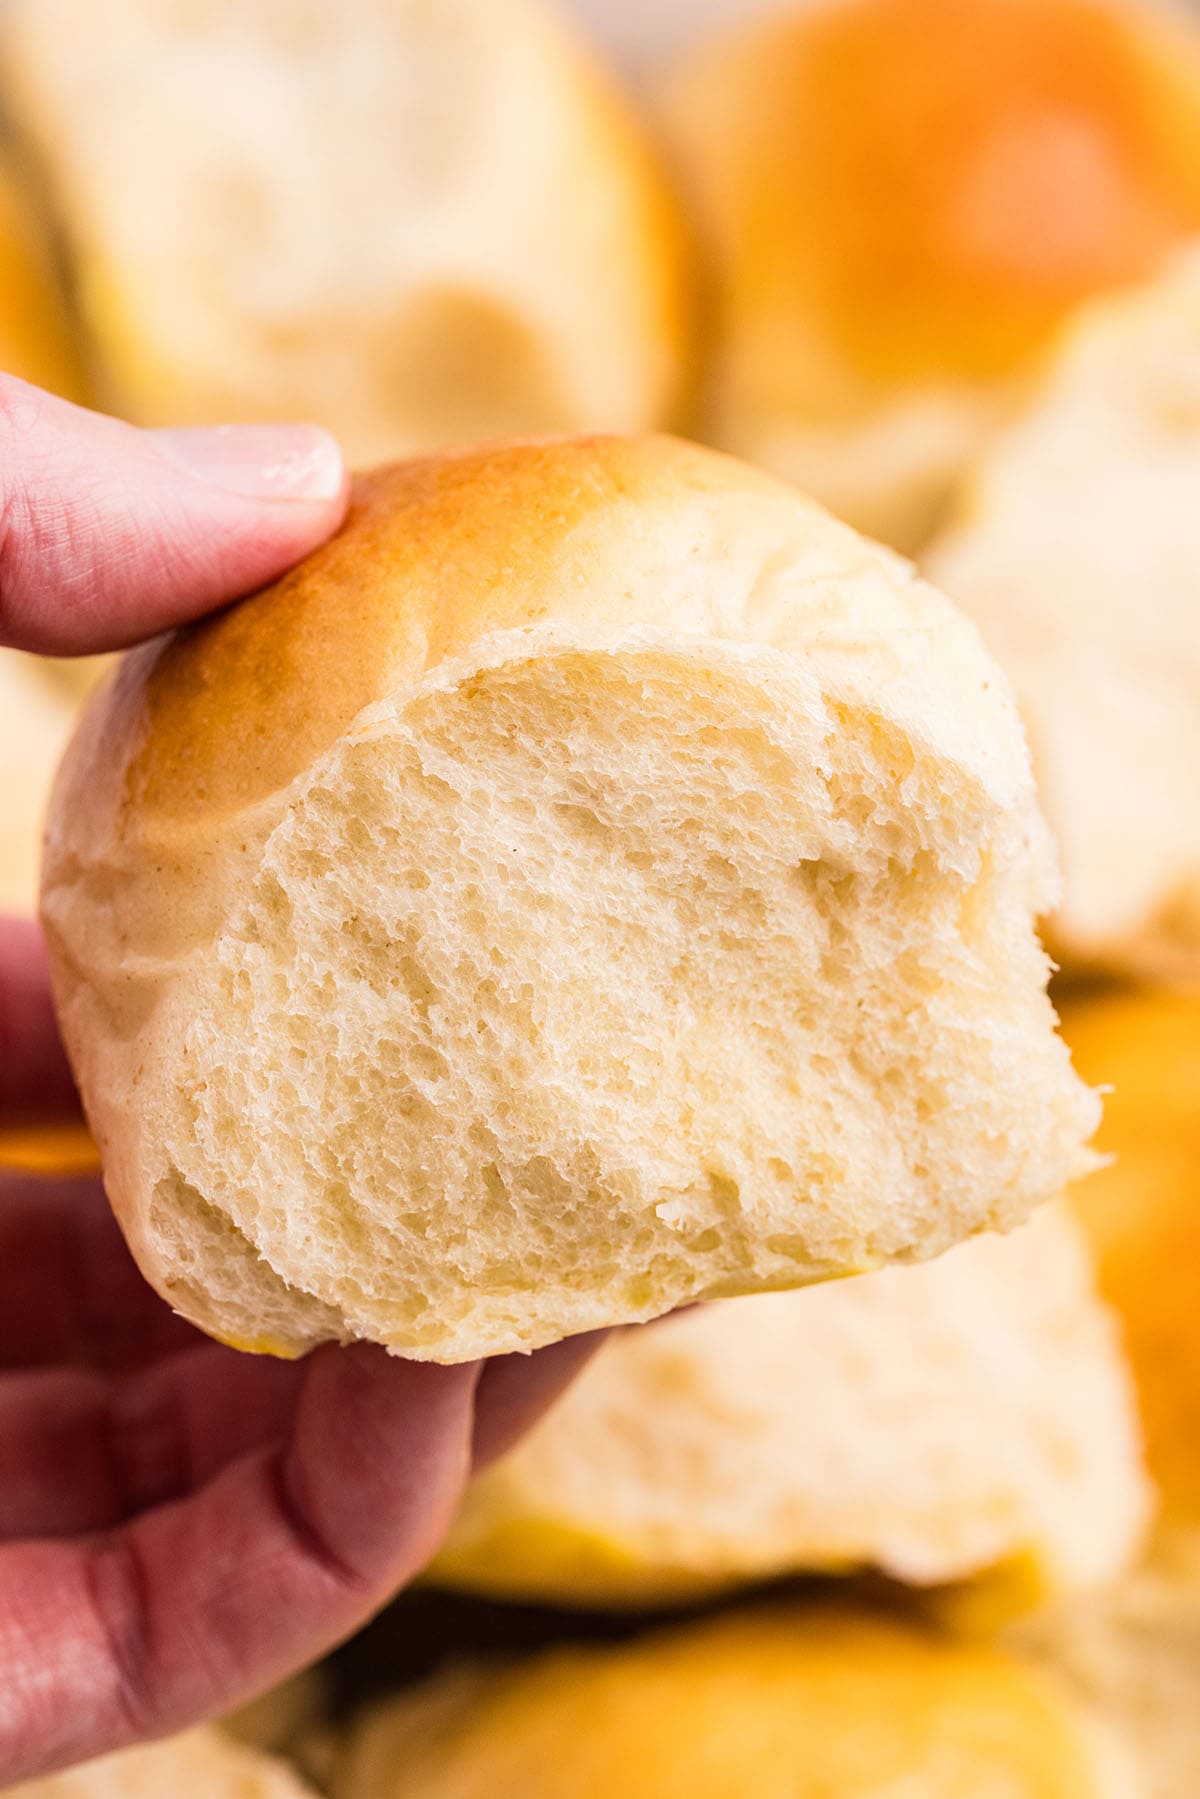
(420, 222)
(903, 199)
(1077, 551)
(202, 1764)
(929, 1422)
(809, 1704)
(595, 881)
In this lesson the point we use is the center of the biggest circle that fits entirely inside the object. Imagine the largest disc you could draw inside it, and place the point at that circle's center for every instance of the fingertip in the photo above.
(293, 463)
(273, 492)
(114, 533)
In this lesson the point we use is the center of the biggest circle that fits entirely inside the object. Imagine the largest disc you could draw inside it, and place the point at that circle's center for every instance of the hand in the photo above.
(180, 1525)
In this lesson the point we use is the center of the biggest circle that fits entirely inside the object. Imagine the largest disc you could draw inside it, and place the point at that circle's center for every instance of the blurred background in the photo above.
(927, 1534)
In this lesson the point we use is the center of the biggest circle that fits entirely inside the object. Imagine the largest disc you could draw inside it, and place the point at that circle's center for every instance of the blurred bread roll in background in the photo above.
(641, 38)
(1142, 1214)
(1132, 1656)
(1076, 548)
(283, 1715)
(930, 1423)
(38, 704)
(903, 200)
(418, 222)
(37, 343)
(36, 720)
(807, 1703)
(37, 337)
(201, 1764)
(595, 881)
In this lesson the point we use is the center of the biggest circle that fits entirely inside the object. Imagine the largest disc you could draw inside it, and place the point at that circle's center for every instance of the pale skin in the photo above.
(180, 1525)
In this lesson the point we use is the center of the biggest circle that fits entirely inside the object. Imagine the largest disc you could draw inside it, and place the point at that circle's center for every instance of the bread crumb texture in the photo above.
(596, 881)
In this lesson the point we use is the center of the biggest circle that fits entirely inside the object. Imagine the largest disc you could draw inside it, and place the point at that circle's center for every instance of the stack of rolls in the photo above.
(599, 887)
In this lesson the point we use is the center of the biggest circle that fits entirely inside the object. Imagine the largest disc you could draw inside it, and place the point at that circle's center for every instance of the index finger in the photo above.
(203, 1603)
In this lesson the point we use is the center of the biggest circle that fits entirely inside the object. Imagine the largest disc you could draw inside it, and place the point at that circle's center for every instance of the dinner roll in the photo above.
(419, 222)
(201, 1764)
(595, 881)
(928, 1422)
(37, 339)
(903, 200)
(803, 1703)
(1077, 550)
(1142, 1215)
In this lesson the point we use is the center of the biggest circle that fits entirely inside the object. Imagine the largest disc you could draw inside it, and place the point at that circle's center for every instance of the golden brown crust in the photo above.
(435, 554)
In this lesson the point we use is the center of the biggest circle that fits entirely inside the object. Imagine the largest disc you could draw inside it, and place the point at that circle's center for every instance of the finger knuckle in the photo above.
(120, 1597)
